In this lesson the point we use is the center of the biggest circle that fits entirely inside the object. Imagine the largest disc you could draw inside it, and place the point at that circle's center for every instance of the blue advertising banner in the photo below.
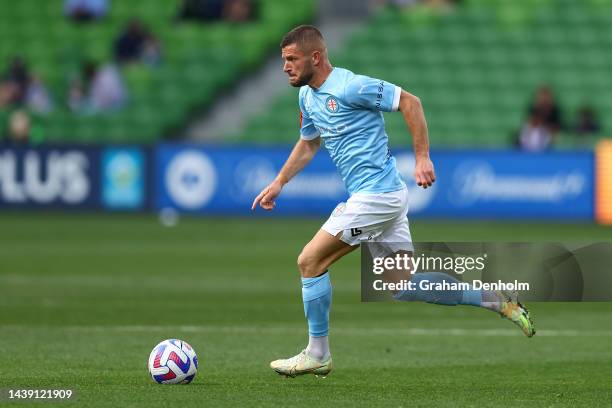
(470, 184)
(506, 184)
(74, 177)
(222, 180)
(49, 177)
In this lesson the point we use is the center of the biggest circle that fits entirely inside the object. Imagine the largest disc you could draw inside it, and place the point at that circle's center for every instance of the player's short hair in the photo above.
(306, 37)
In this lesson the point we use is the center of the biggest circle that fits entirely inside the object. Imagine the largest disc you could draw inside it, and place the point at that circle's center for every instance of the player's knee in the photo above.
(303, 263)
(307, 264)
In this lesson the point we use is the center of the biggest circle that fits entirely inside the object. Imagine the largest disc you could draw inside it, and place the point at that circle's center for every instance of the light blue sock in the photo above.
(317, 294)
(439, 297)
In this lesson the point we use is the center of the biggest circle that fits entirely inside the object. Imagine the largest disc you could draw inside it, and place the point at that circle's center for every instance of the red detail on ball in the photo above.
(168, 376)
(156, 363)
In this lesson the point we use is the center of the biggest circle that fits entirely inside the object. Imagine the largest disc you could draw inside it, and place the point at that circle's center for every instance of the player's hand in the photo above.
(424, 173)
(266, 198)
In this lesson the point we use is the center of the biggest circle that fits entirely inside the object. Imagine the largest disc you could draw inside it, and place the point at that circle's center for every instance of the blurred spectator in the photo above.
(587, 122)
(19, 87)
(14, 83)
(235, 11)
(201, 10)
(535, 136)
(78, 91)
(151, 50)
(238, 11)
(19, 127)
(130, 42)
(85, 10)
(543, 123)
(37, 97)
(107, 90)
(98, 89)
(545, 110)
(137, 44)
(8, 92)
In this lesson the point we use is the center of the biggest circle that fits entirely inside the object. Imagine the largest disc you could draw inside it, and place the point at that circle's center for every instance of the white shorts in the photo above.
(380, 217)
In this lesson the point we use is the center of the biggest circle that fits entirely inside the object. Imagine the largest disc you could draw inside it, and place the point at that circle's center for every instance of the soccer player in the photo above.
(344, 110)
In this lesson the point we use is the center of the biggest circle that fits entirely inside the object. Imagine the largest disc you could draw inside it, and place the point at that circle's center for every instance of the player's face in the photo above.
(297, 65)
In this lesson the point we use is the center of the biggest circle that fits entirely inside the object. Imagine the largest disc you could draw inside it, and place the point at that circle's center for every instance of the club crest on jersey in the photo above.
(332, 104)
(339, 209)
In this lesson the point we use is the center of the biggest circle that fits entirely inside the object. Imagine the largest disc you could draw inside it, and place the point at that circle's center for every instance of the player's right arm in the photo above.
(300, 156)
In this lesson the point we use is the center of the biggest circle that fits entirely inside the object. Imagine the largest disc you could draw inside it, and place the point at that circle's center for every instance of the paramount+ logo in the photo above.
(44, 177)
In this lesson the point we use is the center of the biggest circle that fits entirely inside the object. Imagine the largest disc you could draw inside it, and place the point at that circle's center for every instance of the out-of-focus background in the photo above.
(135, 134)
(517, 97)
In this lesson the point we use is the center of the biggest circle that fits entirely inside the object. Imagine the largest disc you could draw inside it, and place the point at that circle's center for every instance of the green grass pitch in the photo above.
(84, 298)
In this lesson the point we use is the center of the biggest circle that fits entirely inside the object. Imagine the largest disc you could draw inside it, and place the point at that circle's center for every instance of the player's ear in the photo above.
(316, 57)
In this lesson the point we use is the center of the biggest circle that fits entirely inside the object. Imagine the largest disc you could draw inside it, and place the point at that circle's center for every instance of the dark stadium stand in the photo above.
(199, 61)
(476, 68)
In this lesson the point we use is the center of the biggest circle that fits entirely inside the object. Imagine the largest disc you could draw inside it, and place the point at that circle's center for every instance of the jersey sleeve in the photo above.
(308, 131)
(374, 94)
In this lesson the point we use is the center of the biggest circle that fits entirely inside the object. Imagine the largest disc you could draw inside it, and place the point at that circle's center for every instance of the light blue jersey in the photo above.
(346, 112)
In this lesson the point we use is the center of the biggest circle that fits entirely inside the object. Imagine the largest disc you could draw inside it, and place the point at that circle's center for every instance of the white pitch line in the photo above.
(352, 331)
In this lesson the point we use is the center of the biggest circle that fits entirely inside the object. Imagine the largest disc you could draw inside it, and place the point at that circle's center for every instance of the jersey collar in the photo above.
(324, 84)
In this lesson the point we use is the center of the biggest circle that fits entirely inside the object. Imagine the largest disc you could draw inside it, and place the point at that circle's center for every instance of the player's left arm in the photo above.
(374, 94)
(411, 108)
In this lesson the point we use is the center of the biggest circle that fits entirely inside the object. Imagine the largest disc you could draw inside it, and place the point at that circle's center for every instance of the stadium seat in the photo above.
(199, 61)
(477, 67)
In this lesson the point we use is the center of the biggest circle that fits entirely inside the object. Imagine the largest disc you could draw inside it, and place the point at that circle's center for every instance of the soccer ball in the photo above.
(173, 362)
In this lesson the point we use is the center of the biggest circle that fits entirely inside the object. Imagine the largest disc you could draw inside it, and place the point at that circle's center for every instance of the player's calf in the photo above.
(503, 303)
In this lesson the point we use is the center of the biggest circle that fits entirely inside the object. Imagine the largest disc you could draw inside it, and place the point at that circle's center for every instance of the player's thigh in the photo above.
(397, 234)
(390, 239)
(322, 251)
(394, 240)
